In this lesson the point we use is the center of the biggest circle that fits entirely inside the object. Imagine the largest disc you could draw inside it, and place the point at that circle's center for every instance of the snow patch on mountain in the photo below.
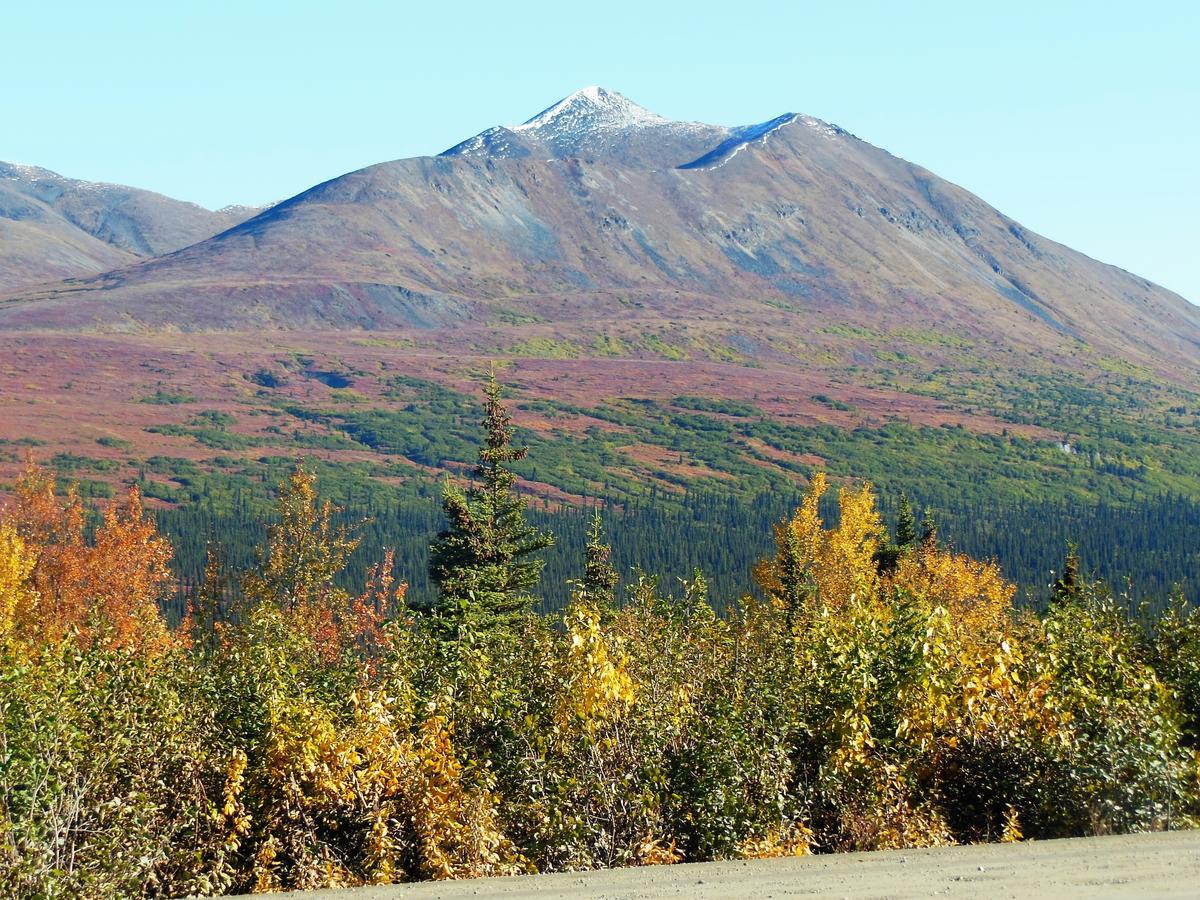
(590, 121)
(741, 138)
(738, 141)
(596, 123)
(594, 119)
(36, 176)
(495, 142)
(22, 171)
(591, 109)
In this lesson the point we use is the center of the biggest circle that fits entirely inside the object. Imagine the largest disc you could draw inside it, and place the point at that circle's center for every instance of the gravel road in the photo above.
(1135, 866)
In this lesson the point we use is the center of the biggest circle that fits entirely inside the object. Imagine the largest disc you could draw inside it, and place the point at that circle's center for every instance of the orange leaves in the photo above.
(362, 627)
(53, 531)
(106, 590)
(126, 577)
(876, 699)
(652, 851)
(297, 575)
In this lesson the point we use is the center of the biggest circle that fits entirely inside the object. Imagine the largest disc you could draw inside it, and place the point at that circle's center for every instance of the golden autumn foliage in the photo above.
(17, 595)
(795, 839)
(922, 671)
(293, 735)
(652, 851)
(974, 594)
(397, 781)
(596, 683)
(825, 567)
(1012, 827)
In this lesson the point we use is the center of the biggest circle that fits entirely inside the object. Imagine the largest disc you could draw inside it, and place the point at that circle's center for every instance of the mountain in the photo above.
(686, 317)
(595, 210)
(53, 227)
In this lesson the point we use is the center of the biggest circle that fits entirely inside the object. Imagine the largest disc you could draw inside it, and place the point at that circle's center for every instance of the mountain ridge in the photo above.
(596, 196)
(52, 226)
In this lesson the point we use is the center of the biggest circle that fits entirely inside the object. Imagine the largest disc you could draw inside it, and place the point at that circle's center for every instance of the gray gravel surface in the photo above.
(1146, 865)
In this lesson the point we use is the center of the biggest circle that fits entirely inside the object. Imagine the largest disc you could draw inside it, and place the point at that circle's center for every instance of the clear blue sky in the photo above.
(1080, 120)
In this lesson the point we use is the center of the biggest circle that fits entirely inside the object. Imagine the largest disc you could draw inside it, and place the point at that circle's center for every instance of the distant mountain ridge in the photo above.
(54, 227)
(597, 211)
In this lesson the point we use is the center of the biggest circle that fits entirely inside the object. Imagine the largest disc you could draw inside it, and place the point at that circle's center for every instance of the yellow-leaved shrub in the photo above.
(293, 735)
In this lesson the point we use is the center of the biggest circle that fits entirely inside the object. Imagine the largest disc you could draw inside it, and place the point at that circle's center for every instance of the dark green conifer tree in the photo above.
(485, 563)
(887, 558)
(906, 525)
(929, 529)
(1067, 585)
(599, 577)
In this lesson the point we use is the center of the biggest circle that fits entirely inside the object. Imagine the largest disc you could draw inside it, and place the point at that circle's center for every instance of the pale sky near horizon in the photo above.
(1080, 120)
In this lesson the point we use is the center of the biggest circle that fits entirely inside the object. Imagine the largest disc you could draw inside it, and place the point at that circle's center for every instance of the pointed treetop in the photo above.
(929, 529)
(599, 577)
(1068, 584)
(498, 448)
(906, 525)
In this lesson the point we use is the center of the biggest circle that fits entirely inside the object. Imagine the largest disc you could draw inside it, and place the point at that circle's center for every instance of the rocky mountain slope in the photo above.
(53, 227)
(598, 211)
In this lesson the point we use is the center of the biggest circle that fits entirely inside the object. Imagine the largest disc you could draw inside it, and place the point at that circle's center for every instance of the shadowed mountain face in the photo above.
(597, 209)
(53, 227)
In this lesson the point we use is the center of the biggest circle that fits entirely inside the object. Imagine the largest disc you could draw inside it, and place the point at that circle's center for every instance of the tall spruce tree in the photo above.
(887, 558)
(1067, 586)
(485, 563)
(929, 529)
(599, 582)
(906, 525)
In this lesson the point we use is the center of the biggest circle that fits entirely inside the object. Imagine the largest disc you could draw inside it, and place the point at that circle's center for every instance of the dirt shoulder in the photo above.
(1134, 866)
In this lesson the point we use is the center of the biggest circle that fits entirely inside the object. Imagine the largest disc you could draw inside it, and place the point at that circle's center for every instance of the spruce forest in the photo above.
(179, 715)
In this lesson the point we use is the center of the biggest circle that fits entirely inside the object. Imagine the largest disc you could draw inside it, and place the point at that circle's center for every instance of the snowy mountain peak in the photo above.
(599, 124)
(589, 110)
